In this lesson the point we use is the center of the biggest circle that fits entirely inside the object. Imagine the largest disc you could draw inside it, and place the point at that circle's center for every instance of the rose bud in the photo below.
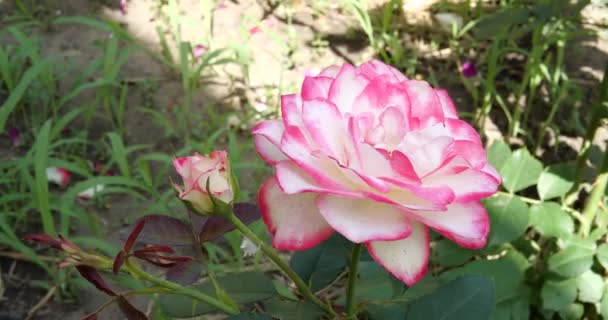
(206, 180)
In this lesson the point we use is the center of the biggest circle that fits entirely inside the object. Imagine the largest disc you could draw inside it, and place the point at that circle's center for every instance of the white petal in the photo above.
(406, 259)
(362, 220)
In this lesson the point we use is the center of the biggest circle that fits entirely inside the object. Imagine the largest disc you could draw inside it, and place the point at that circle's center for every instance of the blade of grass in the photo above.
(41, 187)
(119, 154)
(15, 96)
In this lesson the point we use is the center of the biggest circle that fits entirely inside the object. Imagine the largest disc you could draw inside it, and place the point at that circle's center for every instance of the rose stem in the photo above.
(352, 282)
(274, 256)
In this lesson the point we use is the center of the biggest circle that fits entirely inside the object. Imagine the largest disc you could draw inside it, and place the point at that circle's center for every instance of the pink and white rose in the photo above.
(195, 171)
(366, 152)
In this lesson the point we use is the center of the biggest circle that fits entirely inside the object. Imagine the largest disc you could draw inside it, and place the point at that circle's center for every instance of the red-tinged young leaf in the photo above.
(185, 273)
(163, 230)
(139, 226)
(92, 316)
(118, 261)
(65, 242)
(216, 226)
(165, 265)
(91, 275)
(44, 238)
(197, 221)
(161, 257)
(165, 249)
(129, 310)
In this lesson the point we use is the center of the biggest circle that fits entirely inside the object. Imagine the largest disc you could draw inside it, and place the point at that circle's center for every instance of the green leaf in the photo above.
(513, 264)
(374, 283)
(468, 297)
(508, 218)
(394, 311)
(520, 171)
(557, 294)
(250, 316)
(243, 288)
(576, 258)
(449, 254)
(320, 265)
(604, 304)
(290, 310)
(590, 287)
(550, 220)
(602, 255)
(517, 308)
(498, 153)
(573, 311)
(555, 181)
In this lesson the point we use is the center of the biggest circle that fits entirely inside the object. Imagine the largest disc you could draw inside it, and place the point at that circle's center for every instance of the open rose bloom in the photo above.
(378, 158)
(195, 171)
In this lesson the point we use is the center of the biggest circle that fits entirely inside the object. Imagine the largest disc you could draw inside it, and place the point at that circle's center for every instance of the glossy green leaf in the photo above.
(250, 316)
(512, 264)
(550, 220)
(448, 254)
(516, 308)
(292, 310)
(602, 255)
(498, 153)
(573, 311)
(574, 259)
(509, 217)
(555, 181)
(590, 287)
(604, 304)
(320, 265)
(243, 288)
(557, 294)
(394, 311)
(520, 171)
(469, 297)
(374, 283)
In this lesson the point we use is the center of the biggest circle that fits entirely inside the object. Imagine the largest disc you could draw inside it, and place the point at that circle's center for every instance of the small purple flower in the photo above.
(469, 70)
(198, 50)
(15, 136)
(123, 6)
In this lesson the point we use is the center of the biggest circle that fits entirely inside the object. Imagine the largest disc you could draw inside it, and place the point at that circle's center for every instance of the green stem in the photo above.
(351, 312)
(274, 256)
(178, 289)
(595, 121)
(592, 204)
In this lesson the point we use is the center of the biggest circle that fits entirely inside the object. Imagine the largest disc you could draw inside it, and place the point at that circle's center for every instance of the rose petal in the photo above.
(467, 183)
(467, 224)
(374, 68)
(293, 220)
(322, 169)
(406, 259)
(425, 103)
(292, 180)
(346, 87)
(447, 105)
(267, 140)
(326, 127)
(362, 220)
(316, 87)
